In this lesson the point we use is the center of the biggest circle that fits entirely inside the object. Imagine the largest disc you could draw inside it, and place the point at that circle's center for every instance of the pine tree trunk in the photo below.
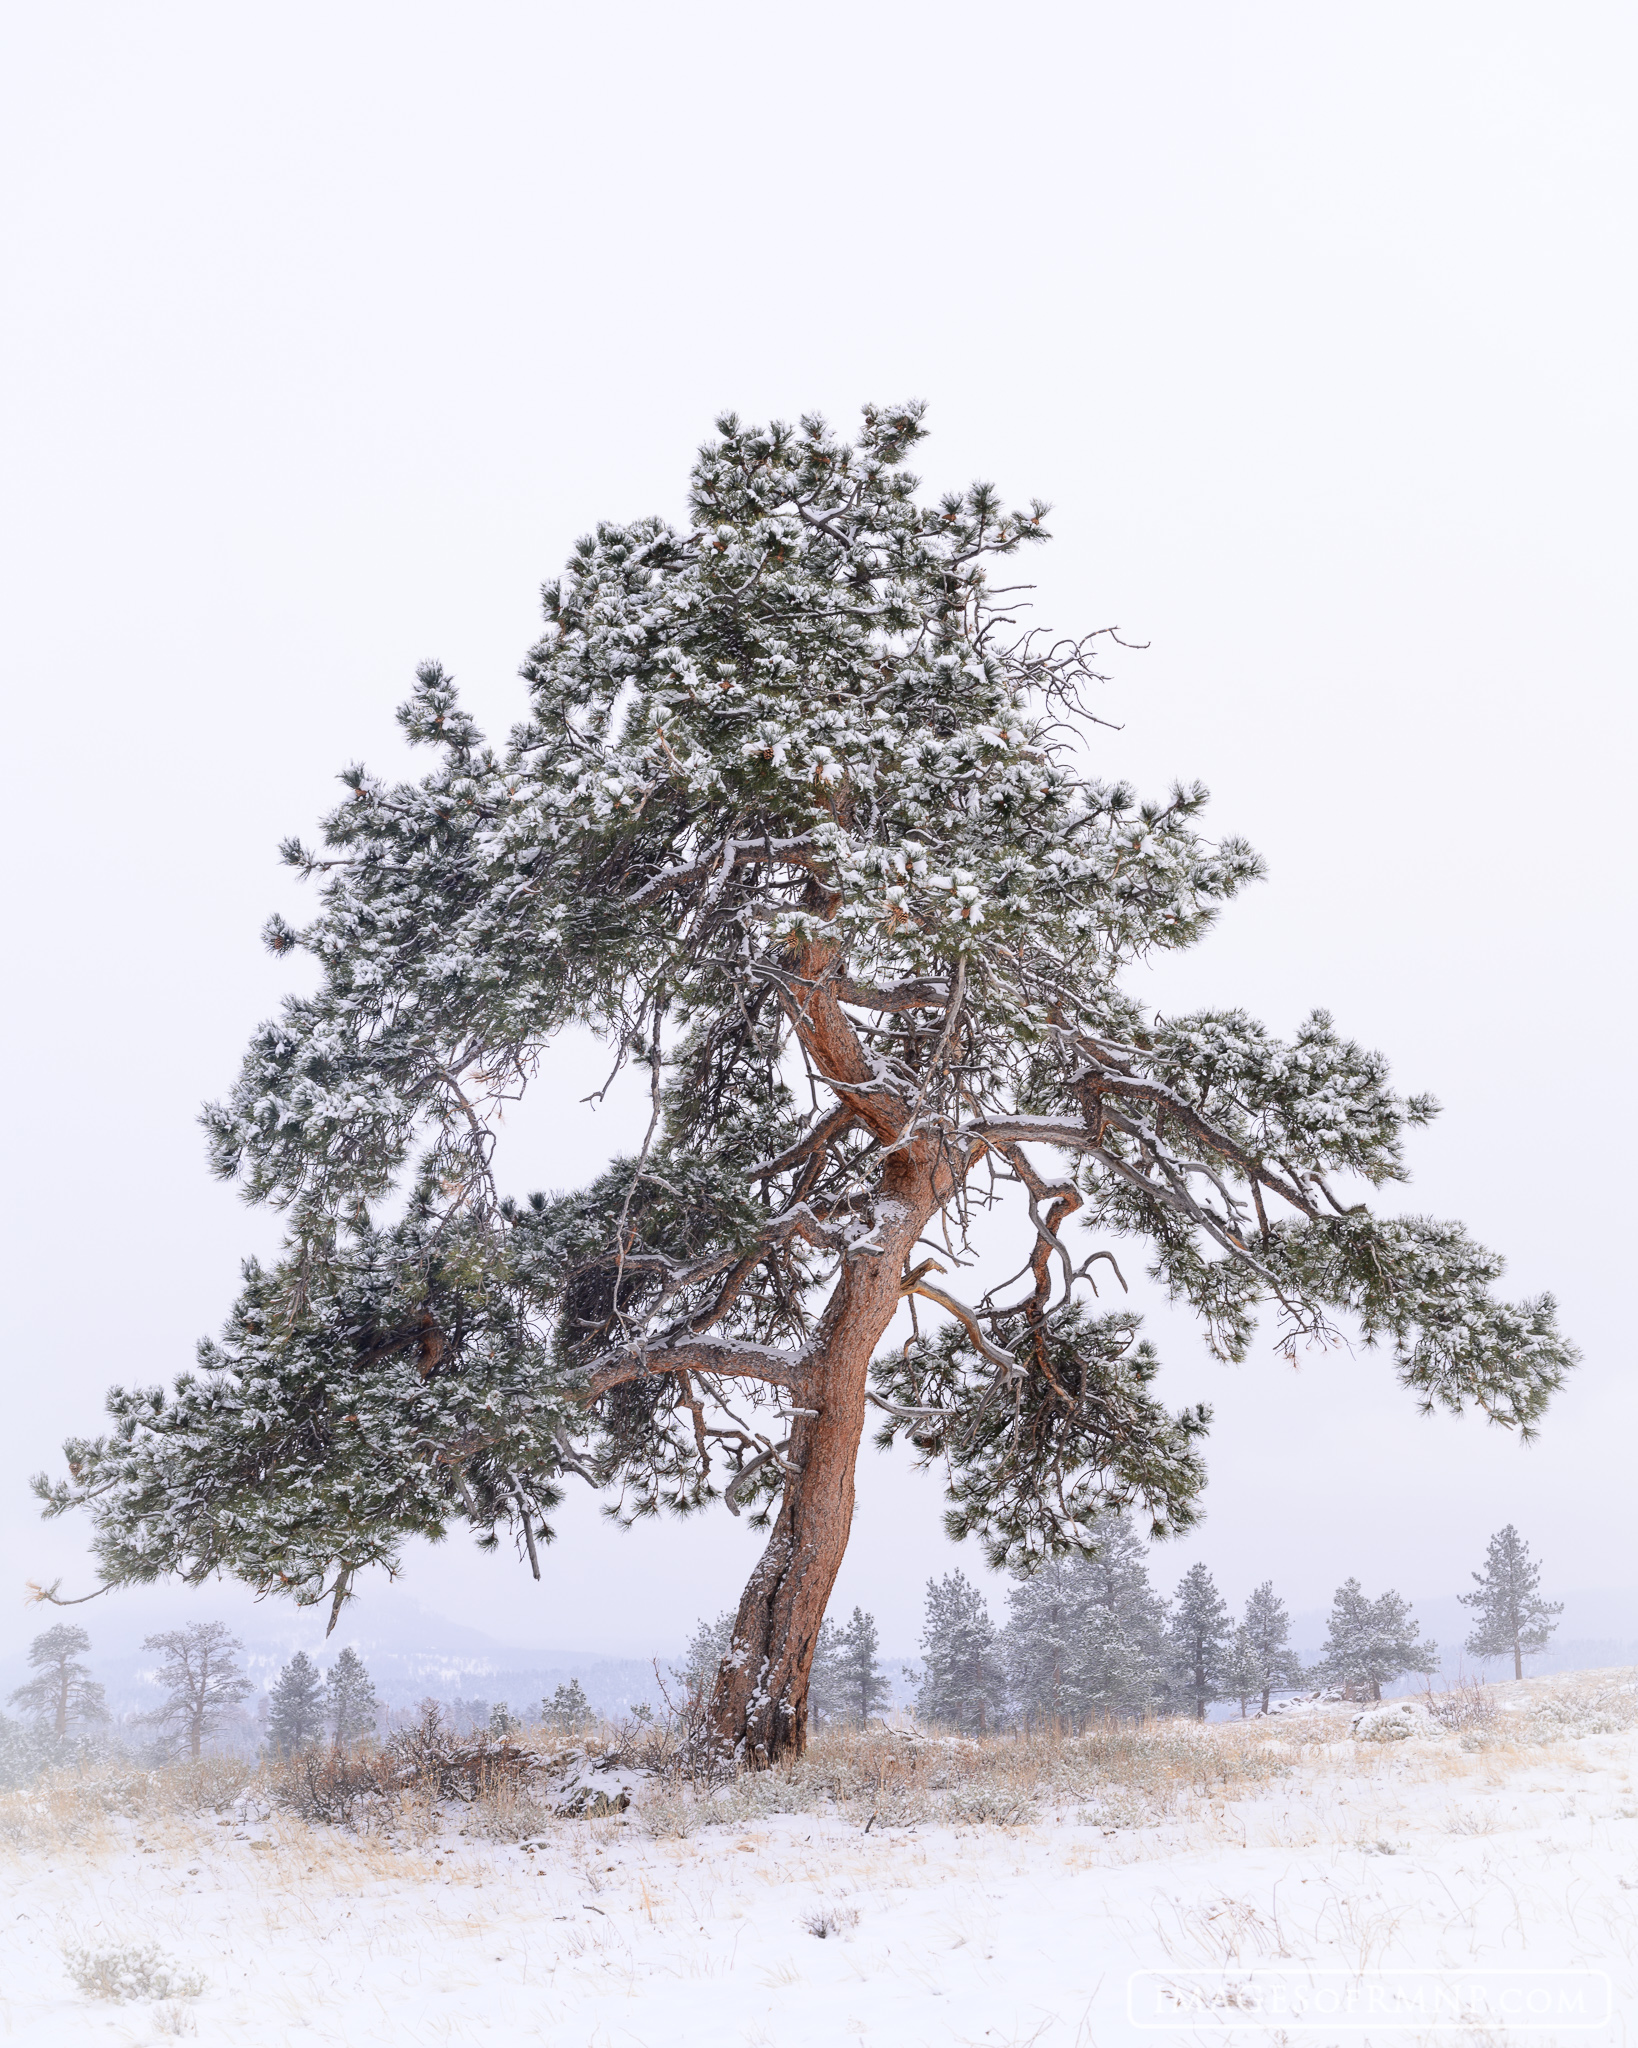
(1518, 1659)
(759, 1708)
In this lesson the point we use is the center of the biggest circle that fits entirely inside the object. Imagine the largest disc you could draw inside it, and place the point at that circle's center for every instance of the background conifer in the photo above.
(1511, 1618)
(62, 1694)
(963, 1680)
(350, 1704)
(296, 1706)
(201, 1679)
(1198, 1637)
(1268, 1641)
(1370, 1643)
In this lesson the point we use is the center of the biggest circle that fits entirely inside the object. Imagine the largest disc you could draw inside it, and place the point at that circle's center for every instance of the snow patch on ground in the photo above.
(1507, 1846)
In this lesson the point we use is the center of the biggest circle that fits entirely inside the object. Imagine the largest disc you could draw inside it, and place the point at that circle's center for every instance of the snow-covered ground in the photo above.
(1352, 1870)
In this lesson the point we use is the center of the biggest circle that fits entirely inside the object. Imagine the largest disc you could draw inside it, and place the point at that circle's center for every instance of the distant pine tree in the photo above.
(350, 1703)
(1086, 1637)
(1119, 1667)
(202, 1682)
(1042, 1641)
(1511, 1618)
(568, 1709)
(62, 1692)
(1370, 1643)
(963, 1683)
(1242, 1669)
(861, 1683)
(1198, 1640)
(295, 1706)
(702, 1659)
(1268, 1633)
(825, 1697)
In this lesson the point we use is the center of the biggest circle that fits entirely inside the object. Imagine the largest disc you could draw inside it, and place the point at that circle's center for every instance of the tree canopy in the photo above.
(800, 818)
(62, 1691)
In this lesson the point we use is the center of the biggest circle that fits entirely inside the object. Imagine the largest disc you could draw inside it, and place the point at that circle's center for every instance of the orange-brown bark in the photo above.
(759, 1709)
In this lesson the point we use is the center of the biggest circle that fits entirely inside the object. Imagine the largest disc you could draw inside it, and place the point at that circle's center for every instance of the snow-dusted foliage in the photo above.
(1266, 1655)
(801, 821)
(1199, 1638)
(1511, 1616)
(1369, 1643)
(295, 1706)
(963, 1676)
(1086, 1636)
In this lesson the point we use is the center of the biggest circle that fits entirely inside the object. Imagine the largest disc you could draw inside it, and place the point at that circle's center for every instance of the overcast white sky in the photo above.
(329, 328)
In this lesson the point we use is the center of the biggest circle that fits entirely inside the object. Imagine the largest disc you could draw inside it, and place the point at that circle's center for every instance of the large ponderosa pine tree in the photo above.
(802, 822)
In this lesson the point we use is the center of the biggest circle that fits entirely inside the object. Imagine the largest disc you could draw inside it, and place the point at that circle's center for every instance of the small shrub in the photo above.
(1466, 1707)
(29, 1750)
(506, 1810)
(1395, 1723)
(428, 1762)
(830, 1923)
(995, 1806)
(142, 1971)
(329, 1785)
(672, 1815)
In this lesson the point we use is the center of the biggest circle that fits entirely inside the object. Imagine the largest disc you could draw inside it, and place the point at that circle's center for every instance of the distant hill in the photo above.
(410, 1654)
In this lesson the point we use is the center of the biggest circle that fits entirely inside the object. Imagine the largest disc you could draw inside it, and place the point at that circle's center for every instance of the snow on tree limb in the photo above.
(798, 822)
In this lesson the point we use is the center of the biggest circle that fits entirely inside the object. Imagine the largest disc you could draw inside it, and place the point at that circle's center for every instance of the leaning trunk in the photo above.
(759, 1708)
(759, 1711)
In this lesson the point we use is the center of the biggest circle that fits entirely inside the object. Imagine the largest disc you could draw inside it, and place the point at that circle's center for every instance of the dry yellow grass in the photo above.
(883, 1881)
(1114, 1777)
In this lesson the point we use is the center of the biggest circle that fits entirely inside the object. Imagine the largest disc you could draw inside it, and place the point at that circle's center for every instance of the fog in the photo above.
(329, 330)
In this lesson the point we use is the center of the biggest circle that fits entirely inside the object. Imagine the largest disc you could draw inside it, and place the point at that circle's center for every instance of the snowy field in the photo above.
(1117, 1880)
